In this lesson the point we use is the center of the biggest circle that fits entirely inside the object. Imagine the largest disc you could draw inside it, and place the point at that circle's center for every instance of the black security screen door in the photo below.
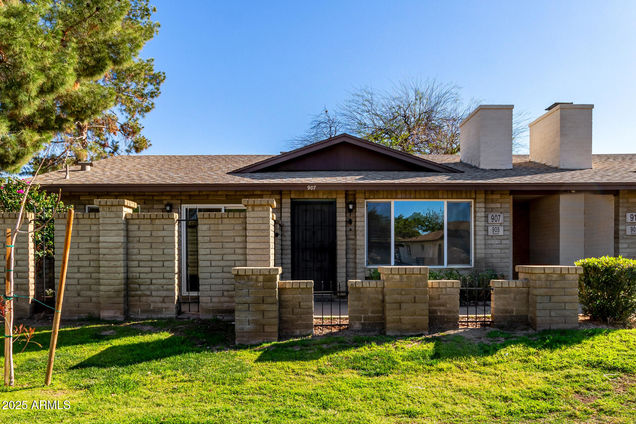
(313, 246)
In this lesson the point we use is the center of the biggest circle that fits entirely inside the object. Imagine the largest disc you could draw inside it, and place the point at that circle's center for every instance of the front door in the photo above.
(313, 242)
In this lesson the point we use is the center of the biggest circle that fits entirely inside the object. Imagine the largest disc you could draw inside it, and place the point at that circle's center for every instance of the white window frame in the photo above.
(182, 227)
(446, 201)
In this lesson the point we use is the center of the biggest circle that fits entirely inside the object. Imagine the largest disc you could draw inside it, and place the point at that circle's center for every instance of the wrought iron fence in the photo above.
(331, 307)
(474, 304)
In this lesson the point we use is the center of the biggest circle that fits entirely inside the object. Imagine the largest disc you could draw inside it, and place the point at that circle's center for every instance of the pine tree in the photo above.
(71, 75)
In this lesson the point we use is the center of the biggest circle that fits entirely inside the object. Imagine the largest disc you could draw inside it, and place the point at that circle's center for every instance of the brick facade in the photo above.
(625, 245)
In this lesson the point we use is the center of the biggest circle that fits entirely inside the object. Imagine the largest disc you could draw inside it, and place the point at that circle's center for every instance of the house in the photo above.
(344, 206)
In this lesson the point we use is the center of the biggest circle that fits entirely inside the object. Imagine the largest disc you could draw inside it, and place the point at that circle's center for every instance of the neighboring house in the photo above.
(336, 200)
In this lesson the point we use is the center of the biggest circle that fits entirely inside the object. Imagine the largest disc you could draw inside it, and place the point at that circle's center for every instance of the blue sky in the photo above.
(246, 76)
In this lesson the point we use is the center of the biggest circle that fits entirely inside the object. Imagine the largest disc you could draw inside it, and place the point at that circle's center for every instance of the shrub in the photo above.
(607, 288)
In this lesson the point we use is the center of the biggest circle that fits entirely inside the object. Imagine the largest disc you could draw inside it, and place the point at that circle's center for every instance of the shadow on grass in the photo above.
(444, 346)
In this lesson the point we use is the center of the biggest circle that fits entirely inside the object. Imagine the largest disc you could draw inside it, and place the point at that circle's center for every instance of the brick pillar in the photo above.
(405, 299)
(509, 303)
(443, 304)
(260, 232)
(366, 305)
(112, 257)
(553, 295)
(256, 310)
(296, 308)
(24, 267)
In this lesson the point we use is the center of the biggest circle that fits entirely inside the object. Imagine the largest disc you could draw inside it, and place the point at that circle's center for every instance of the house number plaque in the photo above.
(630, 217)
(631, 230)
(495, 230)
(495, 218)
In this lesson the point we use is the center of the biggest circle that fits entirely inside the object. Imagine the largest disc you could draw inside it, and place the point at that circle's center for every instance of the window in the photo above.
(435, 233)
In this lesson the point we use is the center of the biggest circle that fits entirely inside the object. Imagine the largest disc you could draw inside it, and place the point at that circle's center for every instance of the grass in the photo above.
(176, 371)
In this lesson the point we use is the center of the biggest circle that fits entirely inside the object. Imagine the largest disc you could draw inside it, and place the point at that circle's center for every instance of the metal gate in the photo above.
(331, 313)
(474, 303)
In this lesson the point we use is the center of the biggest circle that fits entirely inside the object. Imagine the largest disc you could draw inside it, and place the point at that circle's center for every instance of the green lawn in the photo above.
(178, 371)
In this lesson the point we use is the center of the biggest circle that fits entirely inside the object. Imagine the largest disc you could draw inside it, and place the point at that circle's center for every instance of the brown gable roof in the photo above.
(345, 152)
(216, 172)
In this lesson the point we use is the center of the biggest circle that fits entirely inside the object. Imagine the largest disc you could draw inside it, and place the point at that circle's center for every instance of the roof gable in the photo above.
(345, 152)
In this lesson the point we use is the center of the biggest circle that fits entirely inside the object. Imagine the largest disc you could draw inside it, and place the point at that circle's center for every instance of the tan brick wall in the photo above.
(625, 245)
(256, 315)
(509, 303)
(24, 266)
(112, 257)
(553, 295)
(259, 232)
(493, 252)
(222, 246)
(443, 304)
(296, 308)
(82, 294)
(366, 305)
(405, 300)
(152, 265)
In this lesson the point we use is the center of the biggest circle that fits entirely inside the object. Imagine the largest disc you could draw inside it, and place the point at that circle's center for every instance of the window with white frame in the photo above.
(435, 233)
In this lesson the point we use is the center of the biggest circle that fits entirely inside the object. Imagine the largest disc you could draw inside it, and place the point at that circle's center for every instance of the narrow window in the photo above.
(458, 231)
(419, 224)
(379, 233)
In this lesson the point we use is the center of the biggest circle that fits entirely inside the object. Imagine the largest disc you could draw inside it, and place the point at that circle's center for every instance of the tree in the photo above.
(71, 77)
(414, 117)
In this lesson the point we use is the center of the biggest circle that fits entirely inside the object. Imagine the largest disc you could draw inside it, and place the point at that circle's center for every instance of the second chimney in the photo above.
(485, 137)
(562, 137)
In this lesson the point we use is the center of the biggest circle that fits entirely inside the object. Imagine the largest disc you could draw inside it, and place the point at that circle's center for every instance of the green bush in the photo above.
(607, 288)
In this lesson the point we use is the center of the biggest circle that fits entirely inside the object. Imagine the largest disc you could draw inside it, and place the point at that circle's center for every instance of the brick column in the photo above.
(553, 295)
(296, 308)
(260, 232)
(509, 303)
(24, 266)
(443, 304)
(256, 311)
(112, 256)
(366, 305)
(405, 299)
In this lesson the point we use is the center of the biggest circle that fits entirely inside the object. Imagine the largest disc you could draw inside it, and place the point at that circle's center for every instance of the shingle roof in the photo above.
(209, 172)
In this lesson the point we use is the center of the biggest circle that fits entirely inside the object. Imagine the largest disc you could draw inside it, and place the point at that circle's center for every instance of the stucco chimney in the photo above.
(485, 137)
(562, 137)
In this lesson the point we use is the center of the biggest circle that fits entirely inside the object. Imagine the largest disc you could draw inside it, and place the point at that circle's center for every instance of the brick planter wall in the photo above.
(256, 297)
(296, 308)
(405, 299)
(366, 305)
(553, 295)
(443, 304)
(509, 303)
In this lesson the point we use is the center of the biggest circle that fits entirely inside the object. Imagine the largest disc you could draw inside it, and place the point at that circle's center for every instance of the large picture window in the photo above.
(434, 233)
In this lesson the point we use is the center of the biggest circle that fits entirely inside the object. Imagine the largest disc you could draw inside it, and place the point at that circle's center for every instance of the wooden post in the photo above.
(8, 318)
(60, 297)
